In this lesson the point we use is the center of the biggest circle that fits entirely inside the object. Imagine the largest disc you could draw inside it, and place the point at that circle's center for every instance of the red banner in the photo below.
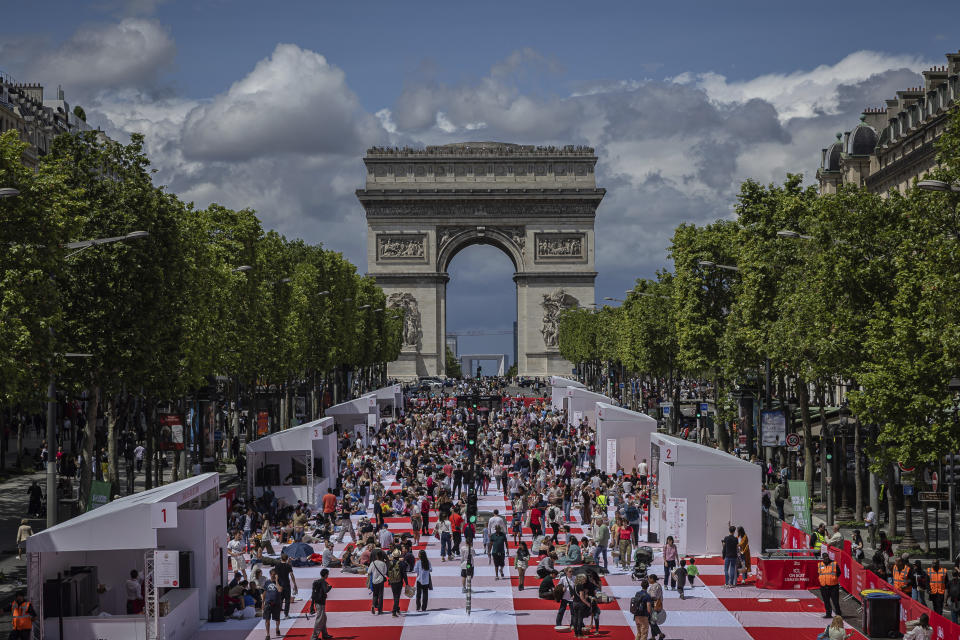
(787, 573)
(171, 432)
(263, 423)
(793, 538)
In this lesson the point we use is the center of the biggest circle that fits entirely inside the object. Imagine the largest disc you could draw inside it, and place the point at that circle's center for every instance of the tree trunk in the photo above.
(857, 474)
(803, 398)
(891, 503)
(823, 449)
(86, 452)
(113, 472)
(148, 460)
(20, 427)
(908, 540)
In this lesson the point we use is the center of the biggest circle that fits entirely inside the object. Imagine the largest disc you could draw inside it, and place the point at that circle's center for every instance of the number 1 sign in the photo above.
(163, 515)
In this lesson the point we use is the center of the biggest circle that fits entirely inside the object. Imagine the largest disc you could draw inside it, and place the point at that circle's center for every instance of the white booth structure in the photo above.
(354, 416)
(297, 463)
(174, 536)
(558, 390)
(697, 492)
(581, 405)
(389, 399)
(623, 438)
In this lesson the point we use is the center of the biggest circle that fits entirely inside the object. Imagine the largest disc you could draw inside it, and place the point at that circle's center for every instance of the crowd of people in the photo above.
(544, 469)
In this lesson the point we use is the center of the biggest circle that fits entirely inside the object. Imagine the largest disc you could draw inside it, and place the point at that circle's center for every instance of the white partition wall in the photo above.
(558, 390)
(581, 405)
(389, 399)
(698, 492)
(623, 438)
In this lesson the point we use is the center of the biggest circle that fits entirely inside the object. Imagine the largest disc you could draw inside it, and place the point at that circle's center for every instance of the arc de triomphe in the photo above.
(536, 204)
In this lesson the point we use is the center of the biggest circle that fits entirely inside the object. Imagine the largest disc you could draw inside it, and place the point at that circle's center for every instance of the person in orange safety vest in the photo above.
(829, 574)
(938, 586)
(22, 618)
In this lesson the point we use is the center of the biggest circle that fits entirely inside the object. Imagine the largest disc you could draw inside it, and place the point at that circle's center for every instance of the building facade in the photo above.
(38, 121)
(894, 144)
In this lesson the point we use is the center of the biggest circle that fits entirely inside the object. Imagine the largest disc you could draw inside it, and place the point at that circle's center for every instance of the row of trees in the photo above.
(851, 290)
(207, 293)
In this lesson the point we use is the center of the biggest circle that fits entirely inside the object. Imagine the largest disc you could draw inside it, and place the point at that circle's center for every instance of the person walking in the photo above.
(625, 536)
(669, 562)
(729, 553)
(603, 541)
(520, 562)
(345, 523)
(397, 576)
(284, 572)
(443, 531)
(498, 549)
(642, 608)
(23, 532)
(870, 519)
(829, 574)
(422, 570)
(377, 576)
(271, 604)
(656, 597)
(318, 598)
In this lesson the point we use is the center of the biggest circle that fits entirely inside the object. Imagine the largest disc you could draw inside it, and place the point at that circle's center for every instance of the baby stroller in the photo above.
(642, 562)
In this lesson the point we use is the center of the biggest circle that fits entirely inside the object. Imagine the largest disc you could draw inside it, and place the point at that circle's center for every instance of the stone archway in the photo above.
(536, 204)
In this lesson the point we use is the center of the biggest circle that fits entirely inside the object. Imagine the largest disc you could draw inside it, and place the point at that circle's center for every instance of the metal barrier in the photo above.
(770, 530)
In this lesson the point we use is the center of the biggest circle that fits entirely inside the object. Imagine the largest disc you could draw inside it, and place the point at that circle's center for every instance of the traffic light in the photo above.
(472, 507)
(829, 449)
(472, 433)
(951, 468)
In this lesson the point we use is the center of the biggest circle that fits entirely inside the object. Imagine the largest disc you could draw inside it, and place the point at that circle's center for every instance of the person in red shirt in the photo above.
(329, 507)
(536, 521)
(456, 527)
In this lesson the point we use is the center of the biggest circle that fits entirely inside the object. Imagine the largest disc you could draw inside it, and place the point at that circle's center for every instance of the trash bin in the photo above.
(881, 613)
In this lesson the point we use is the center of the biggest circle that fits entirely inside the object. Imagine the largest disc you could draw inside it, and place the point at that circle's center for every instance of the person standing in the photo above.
(566, 599)
(669, 563)
(631, 514)
(603, 541)
(284, 573)
(729, 552)
(521, 562)
(871, 521)
(498, 549)
(345, 523)
(743, 547)
(655, 591)
(938, 586)
(829, 574)
(22, 617)
(318, 598)
(780, 498)
(625, 535)
(376, 576)
(329, 502)
(424, 581)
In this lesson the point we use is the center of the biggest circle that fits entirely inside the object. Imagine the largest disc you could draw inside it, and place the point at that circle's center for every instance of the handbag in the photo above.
(659, 616)
(408, 591)
(430, 583)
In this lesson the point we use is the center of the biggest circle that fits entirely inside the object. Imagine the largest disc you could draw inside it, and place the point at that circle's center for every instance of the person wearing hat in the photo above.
(397, 577)
(829, 575)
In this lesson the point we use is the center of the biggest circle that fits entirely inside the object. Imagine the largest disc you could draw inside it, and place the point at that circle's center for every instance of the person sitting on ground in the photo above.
(921, 631)
(573, 554)
(328, 558)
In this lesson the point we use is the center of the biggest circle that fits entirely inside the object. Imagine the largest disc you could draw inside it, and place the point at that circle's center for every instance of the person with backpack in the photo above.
(318, 600)
(397, 577)
(641, 607)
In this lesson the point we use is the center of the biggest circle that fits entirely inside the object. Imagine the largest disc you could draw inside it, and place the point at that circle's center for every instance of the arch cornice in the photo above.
(452, 240)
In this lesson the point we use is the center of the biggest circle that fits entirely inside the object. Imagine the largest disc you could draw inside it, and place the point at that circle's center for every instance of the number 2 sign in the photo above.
(669, 454)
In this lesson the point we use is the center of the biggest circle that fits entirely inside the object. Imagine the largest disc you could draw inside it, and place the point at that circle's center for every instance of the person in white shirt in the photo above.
(134, 591)
(497, 520)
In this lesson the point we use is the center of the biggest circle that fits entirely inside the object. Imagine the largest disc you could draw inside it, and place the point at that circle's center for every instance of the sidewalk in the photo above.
(13, 507)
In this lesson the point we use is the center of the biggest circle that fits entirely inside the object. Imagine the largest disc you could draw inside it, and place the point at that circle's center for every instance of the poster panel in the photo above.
(611, 466)
(99, 494)
(263, 423)
(773, 425)
(677, 523)
(166, 568)
(801, 505)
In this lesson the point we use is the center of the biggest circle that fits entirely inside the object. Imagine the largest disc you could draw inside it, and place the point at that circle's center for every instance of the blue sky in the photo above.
(271, 104)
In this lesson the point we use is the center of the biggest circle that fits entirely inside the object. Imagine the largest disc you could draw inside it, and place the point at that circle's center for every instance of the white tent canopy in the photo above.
(698, 492)
(306, 454)
(389, 399)
(623, 437)
(125, 523)
(354, 416)
(581, 405)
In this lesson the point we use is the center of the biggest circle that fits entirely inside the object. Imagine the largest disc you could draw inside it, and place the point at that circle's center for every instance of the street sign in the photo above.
(666, 411)
(743, 440)
(933, 496)
(793, 440)
(908, 489)
(905, 468)
(704, 407)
